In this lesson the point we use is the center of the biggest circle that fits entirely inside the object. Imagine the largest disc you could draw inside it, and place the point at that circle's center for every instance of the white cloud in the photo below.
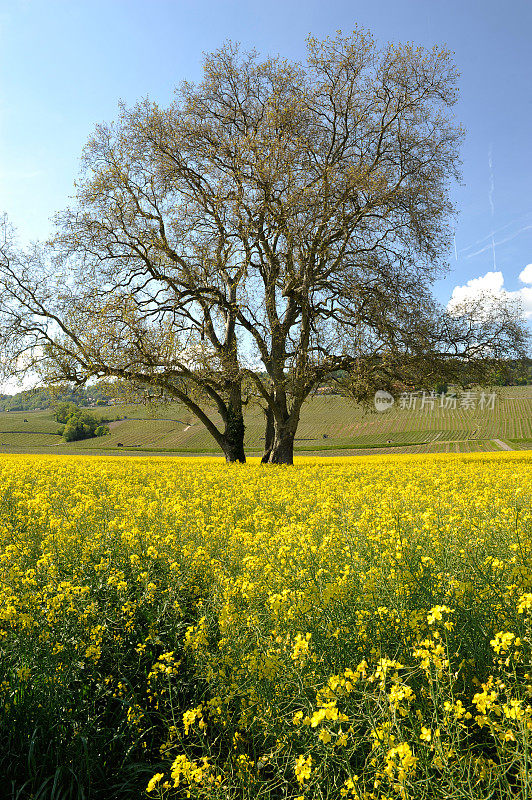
(526, 275)
(490, 282)
(491, 285)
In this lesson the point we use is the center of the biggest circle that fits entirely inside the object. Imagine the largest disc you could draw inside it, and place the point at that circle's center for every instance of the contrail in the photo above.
(455, 252)
(502, 241)
(490, 198)
(497, 230)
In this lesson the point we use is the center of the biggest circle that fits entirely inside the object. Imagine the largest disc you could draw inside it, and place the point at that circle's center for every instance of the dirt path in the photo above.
(502, 445)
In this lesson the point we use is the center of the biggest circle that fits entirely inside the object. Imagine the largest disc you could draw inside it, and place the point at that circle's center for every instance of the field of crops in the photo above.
(346, 628)
(328, 423)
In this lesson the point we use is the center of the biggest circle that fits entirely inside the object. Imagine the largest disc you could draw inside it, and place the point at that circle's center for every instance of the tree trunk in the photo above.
(282, 451)
(269, 436)
(285, 424)
(234, 452)
(233, 444)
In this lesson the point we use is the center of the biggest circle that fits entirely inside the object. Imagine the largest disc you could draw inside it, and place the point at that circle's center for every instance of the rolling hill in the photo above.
(329, 423)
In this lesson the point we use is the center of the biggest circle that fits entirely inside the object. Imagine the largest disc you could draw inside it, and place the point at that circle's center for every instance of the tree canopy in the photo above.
(275, 224)
(77, 423)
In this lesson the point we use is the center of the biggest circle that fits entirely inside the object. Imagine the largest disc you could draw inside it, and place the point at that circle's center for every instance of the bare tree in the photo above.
(64, 322)
(275, 225)
(339, 175)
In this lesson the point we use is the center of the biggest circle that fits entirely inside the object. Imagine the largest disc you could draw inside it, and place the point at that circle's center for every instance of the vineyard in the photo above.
(329, 423)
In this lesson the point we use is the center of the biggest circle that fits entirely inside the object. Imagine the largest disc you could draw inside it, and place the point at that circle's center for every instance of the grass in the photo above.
(328, 424)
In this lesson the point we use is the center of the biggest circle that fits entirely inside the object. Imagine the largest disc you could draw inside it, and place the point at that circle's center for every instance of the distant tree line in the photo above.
(50, 396)
(515, 373)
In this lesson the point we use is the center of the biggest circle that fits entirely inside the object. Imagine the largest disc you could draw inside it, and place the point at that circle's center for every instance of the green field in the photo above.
(329, 424)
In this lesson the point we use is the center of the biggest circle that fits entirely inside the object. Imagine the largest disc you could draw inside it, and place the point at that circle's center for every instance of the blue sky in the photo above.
(64, 66)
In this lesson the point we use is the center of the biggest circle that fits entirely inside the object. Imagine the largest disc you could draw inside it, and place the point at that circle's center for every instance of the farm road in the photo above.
(502, 445)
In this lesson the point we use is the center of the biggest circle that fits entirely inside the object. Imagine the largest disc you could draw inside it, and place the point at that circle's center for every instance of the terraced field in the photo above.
(329, 424)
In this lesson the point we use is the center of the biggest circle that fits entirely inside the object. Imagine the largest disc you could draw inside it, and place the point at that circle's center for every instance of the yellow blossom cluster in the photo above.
(347, 628)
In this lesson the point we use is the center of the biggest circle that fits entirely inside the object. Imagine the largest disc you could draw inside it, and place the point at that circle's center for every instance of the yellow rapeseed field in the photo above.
(345, 628)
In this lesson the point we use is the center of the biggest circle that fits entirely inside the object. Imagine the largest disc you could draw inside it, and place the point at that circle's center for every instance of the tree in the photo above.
(275, 225)
(101, 430)
(78, 424)
(64, 411)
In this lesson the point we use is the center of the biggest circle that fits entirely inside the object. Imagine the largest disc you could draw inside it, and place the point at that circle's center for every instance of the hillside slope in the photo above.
(329, 423)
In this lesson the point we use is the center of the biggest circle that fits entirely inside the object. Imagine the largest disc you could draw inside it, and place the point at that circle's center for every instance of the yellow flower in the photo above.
(525, 603)
(154, 781)
(303, 768)
(436, 613)
(502, 641)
